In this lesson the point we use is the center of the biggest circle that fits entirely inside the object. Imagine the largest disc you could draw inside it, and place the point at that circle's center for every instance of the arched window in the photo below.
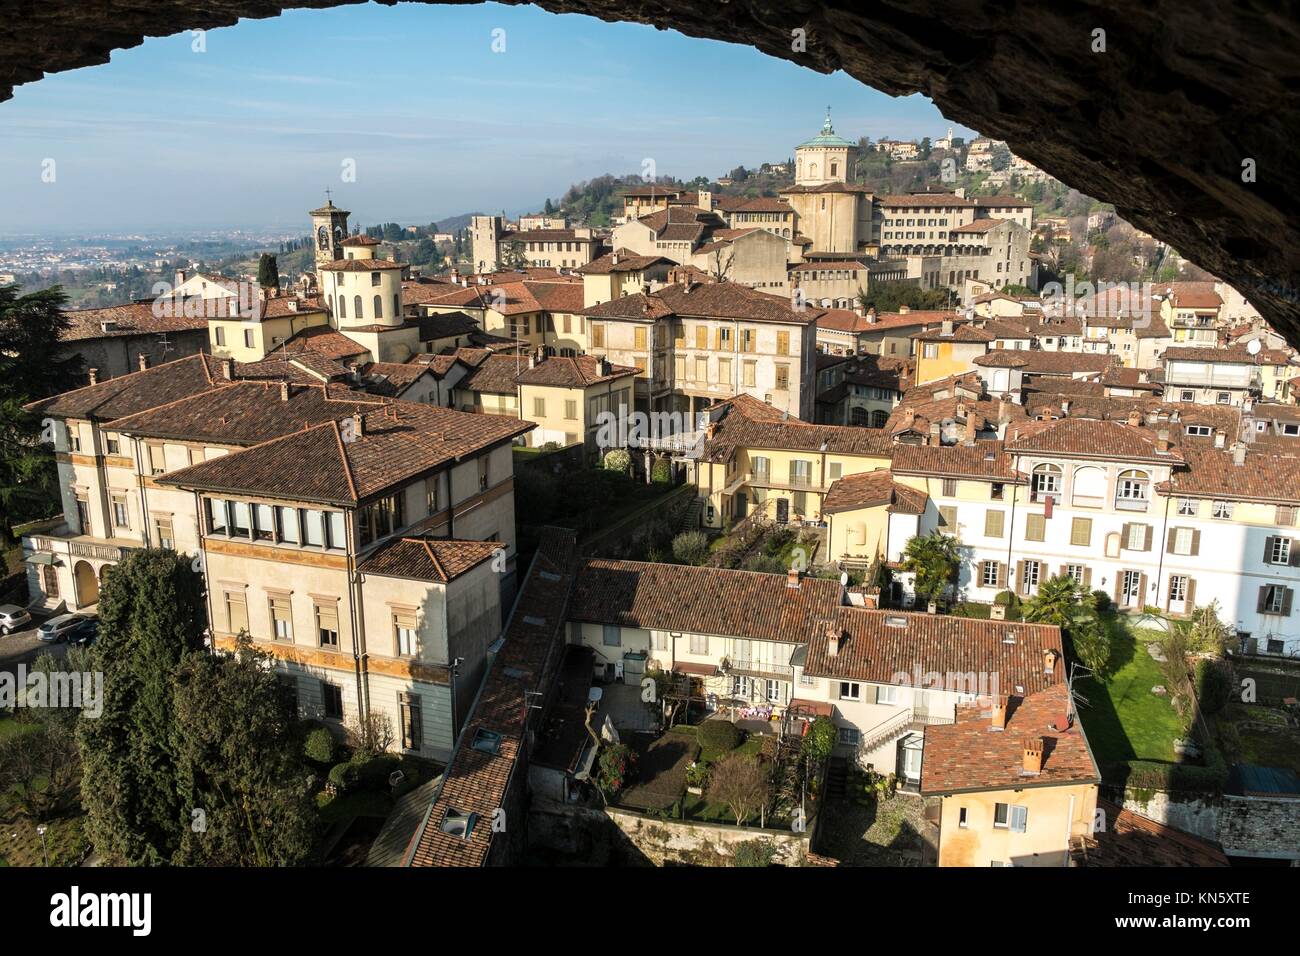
(356, 302)
(343, 307)
(397, 305)
(1131, 490)
(858, 415)
(1088, 487)
(879, 417)
(379, 307)
(1046, 480)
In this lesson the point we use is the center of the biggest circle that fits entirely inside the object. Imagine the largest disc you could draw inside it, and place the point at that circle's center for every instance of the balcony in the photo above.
(762, 479)
(66, 544)
(760, 669)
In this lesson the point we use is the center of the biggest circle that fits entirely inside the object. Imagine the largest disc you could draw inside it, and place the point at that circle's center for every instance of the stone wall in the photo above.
(1260, 827)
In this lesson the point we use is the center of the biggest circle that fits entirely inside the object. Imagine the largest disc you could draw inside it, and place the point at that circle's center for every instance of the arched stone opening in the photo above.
(1181, 115)
(87, 584)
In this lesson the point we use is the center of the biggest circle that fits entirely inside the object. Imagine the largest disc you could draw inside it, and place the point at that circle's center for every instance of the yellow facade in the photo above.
(1055, 814)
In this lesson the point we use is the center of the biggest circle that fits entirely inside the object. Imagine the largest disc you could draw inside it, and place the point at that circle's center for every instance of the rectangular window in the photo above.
(782, 376)
(1001, 813)
(597, 336)
(701, 336)
(1081, 532)
(1286, 515)
(747, 340)
(850, 690)
(849, 736)
(961, 817)
(157, 459)
(332, 699)
(1035, 527)
(313, 528)
(1135, 537)
(241, 518)
(701, 369)
(162, 529)
(264, 522)
(216, 512)
(1019, 819)
(248, 338)
(1177, 588)
(783, 343)
(409, 706)
(281, 617)
(611, 635)
(1077, 571)
(335, 526)
(948, 519)
(120, 518)
(327, 624)
(639, 338)
(1221, 509)
(404, 632)
(113, 445)
(1188, 507)
(287, 524)
(83, 513)
(539, 407)
(484, 477)
(750, 371)
(996, 491)
(988, 574)
(236, 612)
(1180, 540)
(1278, 550)
(724, 371)
(950, 487)
(886, 694)
(1033, 574)
(570, 409)
(994, 523)
(699, 644)
(221, 335)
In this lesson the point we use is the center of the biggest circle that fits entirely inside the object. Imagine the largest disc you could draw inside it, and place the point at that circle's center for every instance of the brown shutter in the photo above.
(1263, 599)
(1119, 585)
(1123, 536)
(1286, 601)
(1196, 541)
(1087, 577)
(1146, 540)
(1064, 570)
(1169, 540)
(1002, 576)
(1294, 554)
(1268, 548)
(1020, 576)
(1191, 595)
(1142, 591)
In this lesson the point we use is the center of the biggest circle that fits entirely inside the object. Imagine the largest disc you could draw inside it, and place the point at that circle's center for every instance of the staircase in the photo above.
(890, 729)
(837, 777)
(690, 519)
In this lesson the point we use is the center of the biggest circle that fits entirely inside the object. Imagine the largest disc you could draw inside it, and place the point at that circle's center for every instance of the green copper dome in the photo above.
(827, 136)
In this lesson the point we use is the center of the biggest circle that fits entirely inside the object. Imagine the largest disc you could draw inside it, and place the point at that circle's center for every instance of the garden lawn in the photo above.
(1123, 719)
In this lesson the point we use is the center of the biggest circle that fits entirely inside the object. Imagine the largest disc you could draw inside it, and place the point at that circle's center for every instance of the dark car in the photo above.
(83, 633)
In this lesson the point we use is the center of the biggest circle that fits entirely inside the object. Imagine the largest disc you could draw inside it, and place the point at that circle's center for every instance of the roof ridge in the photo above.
(343, 456)
(437, 565)
(188, 398)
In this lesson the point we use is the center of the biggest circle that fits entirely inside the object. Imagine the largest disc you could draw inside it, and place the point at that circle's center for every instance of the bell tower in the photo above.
(329, 227)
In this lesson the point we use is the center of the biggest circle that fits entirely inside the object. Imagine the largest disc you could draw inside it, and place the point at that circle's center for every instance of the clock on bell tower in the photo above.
(329, 228)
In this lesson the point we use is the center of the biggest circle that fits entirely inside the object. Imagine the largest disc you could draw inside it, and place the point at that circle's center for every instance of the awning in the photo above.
(40, 557)
(698, 670)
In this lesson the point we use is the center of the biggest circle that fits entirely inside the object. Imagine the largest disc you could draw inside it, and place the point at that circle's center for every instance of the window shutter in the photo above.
(1124, 535)
(1119, 585)
(1268, 548)
(1196, 541)
(1293, 555)
(1019, 819)
(1263, 599)
(1286, 602)
(1020, 576)
(1169, 540)
(1191, 595)
(1142, 591)
(1087, 577)
(1065, 569)
(877, 690)
(1146, 539)
(1002, 576)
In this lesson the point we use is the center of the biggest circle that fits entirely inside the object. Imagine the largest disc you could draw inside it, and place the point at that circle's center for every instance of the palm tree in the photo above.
(1056, 602)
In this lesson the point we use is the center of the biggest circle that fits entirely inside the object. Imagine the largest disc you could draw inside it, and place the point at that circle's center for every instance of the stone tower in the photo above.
(329, 227)
(825, 158)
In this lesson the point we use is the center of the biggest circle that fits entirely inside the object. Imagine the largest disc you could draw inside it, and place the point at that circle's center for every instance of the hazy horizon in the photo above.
(249, 133)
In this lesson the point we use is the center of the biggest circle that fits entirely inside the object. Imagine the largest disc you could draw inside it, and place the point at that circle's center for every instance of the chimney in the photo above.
(871, 316)
(93, 375)
(292, 305)
(934, 434)
(903, 310)
(1033, 755)
(792, 578)
(1050, 657)
(1239, 453)
(1162, 441)
(945, 328)
(1135, 418)
(143, 360)
(180, 277)
(532, 360)
(358, 423)
(227, 369)
(284, 391)
(832, 641)
(1065, 406)
(1219, 438)
(998, 720)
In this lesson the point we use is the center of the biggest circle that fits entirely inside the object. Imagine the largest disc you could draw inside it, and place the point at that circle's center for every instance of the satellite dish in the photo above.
(844, 579)
(1253, 346)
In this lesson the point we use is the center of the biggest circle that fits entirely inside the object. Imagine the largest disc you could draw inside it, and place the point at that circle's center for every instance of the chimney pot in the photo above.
(284, 391)
(999, 717)
(227, 369)
(1239, 453)
(945, 328)
(93, 375)
(1050, 657)
(143, 360)
(792, 578)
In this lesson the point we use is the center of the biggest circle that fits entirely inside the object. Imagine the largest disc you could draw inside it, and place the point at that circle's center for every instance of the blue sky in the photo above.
(251, 131)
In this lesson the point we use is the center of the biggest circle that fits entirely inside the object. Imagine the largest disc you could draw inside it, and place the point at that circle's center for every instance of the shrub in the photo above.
(767, 563)
(661, 472)
(618, 460)
(1007, 599)
(719, 736)
(616, 764)
(345, 776)
(1104, 603)
(319, 746)
(373, 772)
(1213, 685)
(819, 741)
(754, 853)
(691, 547)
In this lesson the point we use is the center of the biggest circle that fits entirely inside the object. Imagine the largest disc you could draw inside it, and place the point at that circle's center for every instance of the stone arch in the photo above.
(1145, 126)
(85, 584)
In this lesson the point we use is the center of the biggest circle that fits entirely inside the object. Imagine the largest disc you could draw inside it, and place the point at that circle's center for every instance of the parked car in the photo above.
(55, 630)
(13, 618)
(83, 633)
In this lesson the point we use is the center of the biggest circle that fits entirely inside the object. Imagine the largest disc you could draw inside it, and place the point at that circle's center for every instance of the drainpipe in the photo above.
(207, 591)
(1160, 565)
(144, 505)
(358, 637)
(1011, 536)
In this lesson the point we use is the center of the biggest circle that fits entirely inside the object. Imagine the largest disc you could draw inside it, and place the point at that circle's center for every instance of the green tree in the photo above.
(691, 547)
(819, 741)
(1057, 601)
(934, 559)
(33, 365)
(151, 611)
(236, 764)
(268, 271)
(890, 296)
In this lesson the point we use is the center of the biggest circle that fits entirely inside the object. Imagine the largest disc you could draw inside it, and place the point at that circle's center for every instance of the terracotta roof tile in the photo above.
(427, 559)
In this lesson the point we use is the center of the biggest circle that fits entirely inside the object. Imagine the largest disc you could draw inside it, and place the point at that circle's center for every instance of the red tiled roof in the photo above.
(727, 300)
(715, 601)
(428, 559)
(969, 755)
(746, 422)
(1088, 438)
(1130, 839)
(871, 489)
(135, 392)
(983, 459)
(579, 372)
